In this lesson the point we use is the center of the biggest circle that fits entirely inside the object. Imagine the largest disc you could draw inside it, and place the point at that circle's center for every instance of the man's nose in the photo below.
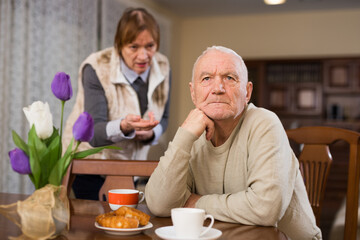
(218, 86)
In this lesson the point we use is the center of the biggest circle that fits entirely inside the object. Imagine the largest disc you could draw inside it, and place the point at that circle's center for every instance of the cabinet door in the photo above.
(307, 99)
(295, 87)
(279, 98)
(295, 98)
(256, 74)
(341, 76)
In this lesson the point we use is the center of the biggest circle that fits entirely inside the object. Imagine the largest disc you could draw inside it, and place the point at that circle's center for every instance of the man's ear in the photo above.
(249, 89)
(192, 92)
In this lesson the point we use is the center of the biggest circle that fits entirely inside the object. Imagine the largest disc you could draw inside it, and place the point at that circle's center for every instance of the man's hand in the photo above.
(190, 203)
(197, 122)
(134, 122)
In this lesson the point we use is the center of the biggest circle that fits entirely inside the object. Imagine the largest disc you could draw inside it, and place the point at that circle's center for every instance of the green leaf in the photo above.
(35, 146)
(54, 152)
(51, 138)
(20, 143)
(32, 178)
(66, 165)
(85, 153)
(49, 158)
(58, 172)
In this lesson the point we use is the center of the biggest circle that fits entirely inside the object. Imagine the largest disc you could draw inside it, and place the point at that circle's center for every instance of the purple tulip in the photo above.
(61, 86)
(19, 161)
(83, 129)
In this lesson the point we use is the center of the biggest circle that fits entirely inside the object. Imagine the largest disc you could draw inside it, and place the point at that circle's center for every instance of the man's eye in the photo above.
(206, 78)
(230, 78)
(133, 47)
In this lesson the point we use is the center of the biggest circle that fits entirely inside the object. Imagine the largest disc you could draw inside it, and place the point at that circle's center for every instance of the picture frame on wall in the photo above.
(308, 99)
(339, 76)
(278, 98)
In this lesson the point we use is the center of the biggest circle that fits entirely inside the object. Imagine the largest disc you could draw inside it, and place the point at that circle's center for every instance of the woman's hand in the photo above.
(144, 135)
(135, 123)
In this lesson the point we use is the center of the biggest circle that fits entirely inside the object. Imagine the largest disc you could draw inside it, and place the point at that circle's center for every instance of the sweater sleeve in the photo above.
(96, 105)
(167, 187)
(105, 132)
(269, 171)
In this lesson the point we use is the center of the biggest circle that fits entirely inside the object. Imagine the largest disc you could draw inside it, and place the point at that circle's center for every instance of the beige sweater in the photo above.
(253, 178)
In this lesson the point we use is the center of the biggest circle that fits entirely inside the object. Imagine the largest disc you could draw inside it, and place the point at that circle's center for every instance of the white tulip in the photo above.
(39, 114)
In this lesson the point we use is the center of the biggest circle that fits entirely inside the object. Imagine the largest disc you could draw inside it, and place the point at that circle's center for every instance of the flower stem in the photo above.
(77, 145)
(62, 116)
(61, 127)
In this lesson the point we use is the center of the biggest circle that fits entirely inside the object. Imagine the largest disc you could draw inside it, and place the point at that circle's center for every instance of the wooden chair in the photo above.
(118, 173)
(315, 162)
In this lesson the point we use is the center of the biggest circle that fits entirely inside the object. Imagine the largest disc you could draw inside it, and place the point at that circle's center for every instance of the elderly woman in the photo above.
(126, 90)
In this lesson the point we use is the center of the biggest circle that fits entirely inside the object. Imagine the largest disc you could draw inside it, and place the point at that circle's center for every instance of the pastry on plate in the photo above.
(113, 221)
(133, 213)
(124, 217)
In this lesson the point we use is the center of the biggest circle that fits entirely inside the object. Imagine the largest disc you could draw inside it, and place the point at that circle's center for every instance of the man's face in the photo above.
(217, 88)
(138, 54)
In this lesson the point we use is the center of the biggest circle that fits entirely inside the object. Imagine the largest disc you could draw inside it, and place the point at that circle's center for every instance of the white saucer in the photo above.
(124, 231)
(168, 233)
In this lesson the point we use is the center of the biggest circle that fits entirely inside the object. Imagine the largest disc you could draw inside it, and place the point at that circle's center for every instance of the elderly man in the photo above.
(231, 158)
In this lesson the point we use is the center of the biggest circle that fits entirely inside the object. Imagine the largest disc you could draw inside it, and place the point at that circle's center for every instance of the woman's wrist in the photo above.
(124, 128)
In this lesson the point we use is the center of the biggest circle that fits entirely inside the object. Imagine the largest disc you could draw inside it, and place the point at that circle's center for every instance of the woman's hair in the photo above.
(131, 24)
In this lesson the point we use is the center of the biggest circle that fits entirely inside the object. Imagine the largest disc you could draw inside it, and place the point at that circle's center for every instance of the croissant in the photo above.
(105, 215)
(124, 217)
(133, 213)
(113, 221)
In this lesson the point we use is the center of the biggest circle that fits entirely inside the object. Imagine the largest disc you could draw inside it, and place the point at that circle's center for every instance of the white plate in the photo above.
(124, 231)
(168, 233)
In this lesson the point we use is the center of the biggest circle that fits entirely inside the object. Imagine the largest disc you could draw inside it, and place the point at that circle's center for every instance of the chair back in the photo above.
(315, 161)
(117, 173)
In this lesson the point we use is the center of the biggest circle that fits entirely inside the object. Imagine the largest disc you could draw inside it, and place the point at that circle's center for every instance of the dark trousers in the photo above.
(88, 186)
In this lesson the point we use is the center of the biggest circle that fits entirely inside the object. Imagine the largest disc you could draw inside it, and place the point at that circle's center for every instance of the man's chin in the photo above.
(218, 116)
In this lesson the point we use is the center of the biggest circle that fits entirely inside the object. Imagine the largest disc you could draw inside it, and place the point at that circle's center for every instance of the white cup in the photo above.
(188, 222)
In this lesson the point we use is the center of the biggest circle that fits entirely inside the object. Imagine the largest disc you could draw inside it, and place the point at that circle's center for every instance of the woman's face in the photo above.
(138, 54)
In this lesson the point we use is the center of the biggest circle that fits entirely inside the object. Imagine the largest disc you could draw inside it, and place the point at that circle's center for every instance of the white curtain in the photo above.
(37, 39)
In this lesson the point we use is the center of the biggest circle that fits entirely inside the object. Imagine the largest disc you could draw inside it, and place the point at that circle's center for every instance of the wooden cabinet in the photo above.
(295, 98)
(342, 93)
(309, 91)
(342, 76)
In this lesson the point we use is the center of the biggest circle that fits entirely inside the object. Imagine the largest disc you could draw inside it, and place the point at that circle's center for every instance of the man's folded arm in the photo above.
(167, 187)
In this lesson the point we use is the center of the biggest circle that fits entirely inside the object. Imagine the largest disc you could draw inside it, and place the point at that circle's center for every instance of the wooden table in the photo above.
(83, 219)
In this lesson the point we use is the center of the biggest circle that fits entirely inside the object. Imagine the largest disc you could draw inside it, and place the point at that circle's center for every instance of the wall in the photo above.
(286, 35)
